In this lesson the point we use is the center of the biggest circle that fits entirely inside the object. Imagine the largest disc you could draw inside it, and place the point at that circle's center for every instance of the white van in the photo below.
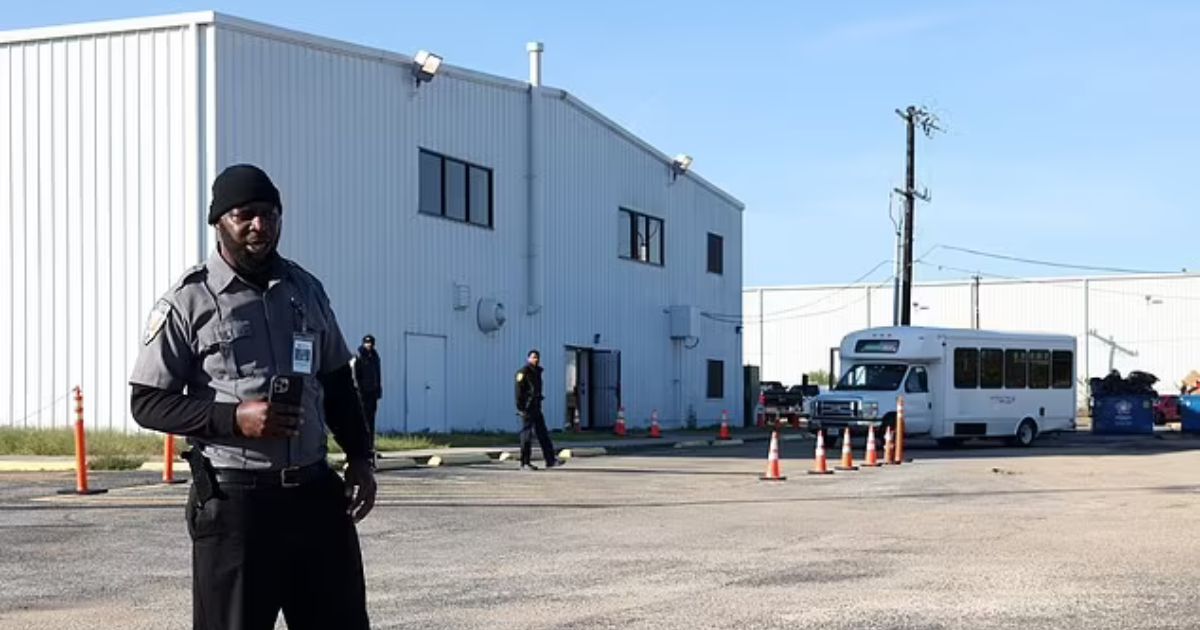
(957, 384)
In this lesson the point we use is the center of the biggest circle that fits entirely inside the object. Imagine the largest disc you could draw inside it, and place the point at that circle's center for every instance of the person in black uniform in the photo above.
(272, 525)
(369, 381)
(529, 407)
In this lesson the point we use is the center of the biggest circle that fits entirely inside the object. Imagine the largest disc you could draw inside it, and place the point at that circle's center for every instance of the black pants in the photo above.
(370, 404)
(256, 551)
(535, 422)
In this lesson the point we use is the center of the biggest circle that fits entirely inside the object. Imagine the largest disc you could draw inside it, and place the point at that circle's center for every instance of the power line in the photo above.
(1045, 263)
(854, 284)
(755, 320)
(1061, 284)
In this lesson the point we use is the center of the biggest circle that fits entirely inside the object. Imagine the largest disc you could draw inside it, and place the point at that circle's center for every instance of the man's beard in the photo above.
(244, 261)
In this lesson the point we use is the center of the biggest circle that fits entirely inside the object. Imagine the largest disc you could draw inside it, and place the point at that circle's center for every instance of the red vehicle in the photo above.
(1166, 409)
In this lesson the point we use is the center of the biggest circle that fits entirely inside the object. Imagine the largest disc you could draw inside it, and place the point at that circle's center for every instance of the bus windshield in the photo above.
(873, 377)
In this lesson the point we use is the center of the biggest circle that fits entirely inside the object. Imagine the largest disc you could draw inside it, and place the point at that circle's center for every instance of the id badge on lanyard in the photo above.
(302, 353)
(303, 343)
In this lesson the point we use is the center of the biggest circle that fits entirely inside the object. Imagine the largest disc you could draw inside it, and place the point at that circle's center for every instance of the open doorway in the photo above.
(593, 388)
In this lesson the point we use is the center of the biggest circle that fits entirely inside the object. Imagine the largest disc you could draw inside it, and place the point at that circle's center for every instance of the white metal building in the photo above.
(555, 227)
(1149, 319)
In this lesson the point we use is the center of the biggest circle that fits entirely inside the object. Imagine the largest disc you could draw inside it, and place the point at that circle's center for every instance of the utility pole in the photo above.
(913, 117)
(975, 302)
(1113, 348)
(899, 224)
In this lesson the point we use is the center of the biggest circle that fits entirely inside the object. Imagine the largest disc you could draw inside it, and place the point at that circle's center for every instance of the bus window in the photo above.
(1039, 369)
(966, 368)
(1016, 369)
(918, 382)
(991, 368)
(1062, 369)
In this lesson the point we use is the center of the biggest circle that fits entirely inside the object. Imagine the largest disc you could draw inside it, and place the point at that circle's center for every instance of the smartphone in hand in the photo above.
(287, 389)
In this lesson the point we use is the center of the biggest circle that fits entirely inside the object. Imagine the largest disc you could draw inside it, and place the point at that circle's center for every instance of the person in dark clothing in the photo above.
(272, 525)
(529, 407)
(369, 381)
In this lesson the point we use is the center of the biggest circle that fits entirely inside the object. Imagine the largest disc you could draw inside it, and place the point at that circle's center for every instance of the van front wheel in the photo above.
(1026, 434)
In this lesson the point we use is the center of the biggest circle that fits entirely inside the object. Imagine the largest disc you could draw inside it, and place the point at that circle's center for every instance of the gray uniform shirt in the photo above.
(217, 337)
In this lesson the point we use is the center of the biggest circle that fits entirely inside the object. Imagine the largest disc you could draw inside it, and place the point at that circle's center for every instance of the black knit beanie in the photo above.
(239, 185)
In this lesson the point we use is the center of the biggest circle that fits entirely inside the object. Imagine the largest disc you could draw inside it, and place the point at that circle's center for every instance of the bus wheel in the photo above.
(1026, 433)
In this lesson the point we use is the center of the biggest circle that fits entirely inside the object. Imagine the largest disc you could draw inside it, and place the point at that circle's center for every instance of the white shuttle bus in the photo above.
(957, 384)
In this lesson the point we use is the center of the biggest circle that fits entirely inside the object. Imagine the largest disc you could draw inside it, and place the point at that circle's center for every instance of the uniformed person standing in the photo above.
(369, 381)
(272, 525)
(529, 408)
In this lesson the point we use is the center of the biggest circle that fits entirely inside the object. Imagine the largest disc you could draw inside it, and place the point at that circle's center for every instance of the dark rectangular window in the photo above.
(625, 234)
(480, 194)
(966, 368)
(455, 189)
(991, 368)
(1039, 369)
(1016, 369)
(877, 346)
(640, 238)
(716, 379)
(1062, 369)
(431, 183)
(716, 254)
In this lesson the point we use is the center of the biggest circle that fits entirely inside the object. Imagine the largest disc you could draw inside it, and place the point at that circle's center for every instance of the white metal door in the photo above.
(605, 390)
(918, 402)
(425, 383)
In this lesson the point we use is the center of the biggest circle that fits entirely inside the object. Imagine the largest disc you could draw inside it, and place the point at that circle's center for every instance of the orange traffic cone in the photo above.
(724, 434)
(774, 473)
(820, 467)
(655, 430)
(847, 453)
(619, 429)
(889, 448)
(872, 457)
(900, 431)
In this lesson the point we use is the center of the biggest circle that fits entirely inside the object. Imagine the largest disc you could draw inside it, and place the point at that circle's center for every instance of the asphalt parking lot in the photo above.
(1076, 532)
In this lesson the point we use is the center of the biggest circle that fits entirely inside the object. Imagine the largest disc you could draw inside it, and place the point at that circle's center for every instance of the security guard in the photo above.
(529, 408)
(272, 525)
(369, 381)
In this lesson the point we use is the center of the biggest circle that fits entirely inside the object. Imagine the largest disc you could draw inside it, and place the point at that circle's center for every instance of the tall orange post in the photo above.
(169, 460)
(81, 469)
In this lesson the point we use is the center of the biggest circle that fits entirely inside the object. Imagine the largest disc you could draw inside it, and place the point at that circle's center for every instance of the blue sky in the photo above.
(1072, 129)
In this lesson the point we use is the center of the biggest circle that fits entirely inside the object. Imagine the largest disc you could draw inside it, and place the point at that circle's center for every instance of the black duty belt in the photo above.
(285, 478)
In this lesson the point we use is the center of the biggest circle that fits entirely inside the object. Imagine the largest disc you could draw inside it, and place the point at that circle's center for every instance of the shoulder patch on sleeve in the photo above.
(520, 376)
(156, 321)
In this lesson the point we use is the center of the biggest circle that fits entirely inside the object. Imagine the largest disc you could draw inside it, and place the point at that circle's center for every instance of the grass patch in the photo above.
(115, 462)
(99, 443)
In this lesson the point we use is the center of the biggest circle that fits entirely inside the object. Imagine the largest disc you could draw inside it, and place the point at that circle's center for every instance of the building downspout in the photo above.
(535, 192)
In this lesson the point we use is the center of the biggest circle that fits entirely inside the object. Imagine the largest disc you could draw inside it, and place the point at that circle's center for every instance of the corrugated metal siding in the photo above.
(591, 174)
(798, 339)
(98, 190)
(340, 133)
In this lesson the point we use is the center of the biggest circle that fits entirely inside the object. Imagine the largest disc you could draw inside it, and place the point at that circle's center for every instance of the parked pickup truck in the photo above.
(789, 403)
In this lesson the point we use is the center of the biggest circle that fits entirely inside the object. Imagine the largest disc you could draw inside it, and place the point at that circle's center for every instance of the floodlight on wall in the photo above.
(425, 66)
(680, 165)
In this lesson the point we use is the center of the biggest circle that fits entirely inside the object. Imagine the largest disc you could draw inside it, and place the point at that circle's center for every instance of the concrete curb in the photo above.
(396, 463)
(728, 442)
(458, 459)
(572, 453)
(36, 466)
(180, 466)
(691, 444)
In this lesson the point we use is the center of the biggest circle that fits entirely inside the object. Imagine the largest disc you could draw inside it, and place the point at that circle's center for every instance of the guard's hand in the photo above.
(259, 419)
(360, 488)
